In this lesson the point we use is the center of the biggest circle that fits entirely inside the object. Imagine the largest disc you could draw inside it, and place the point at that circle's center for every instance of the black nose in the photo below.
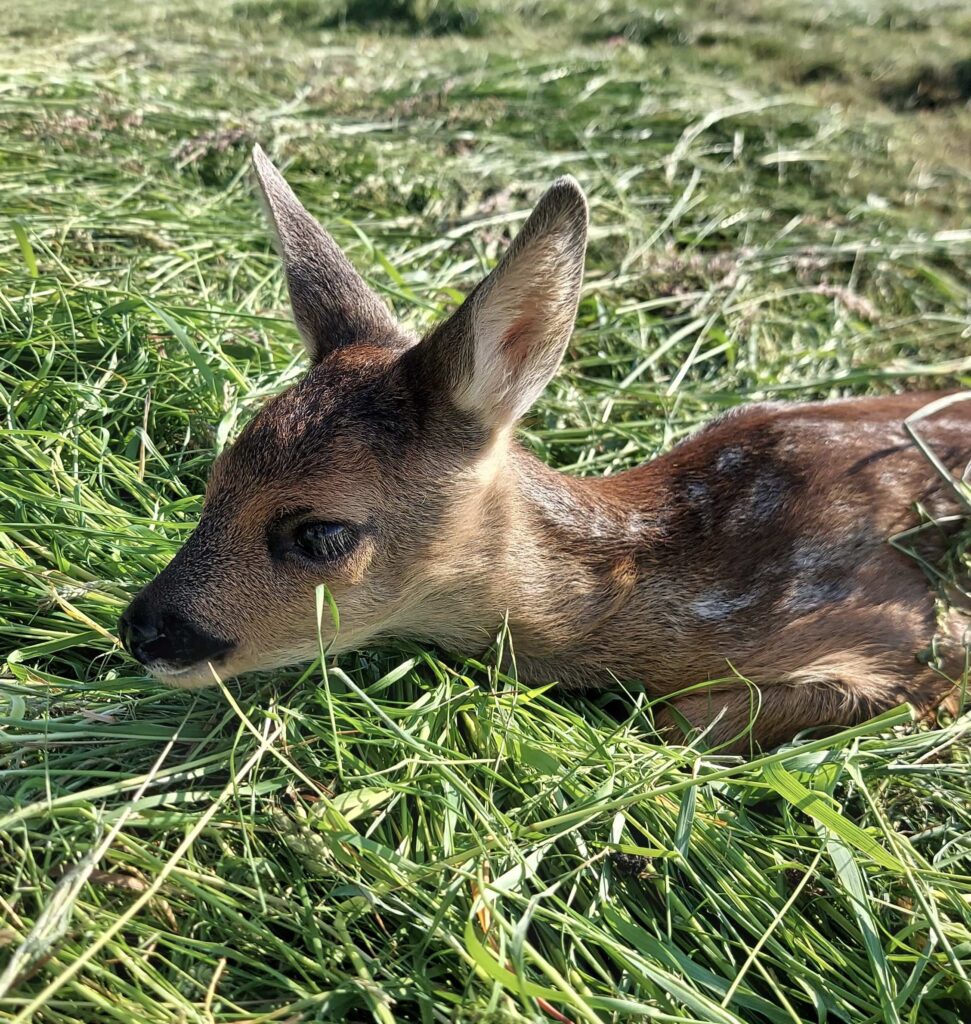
(165, 637)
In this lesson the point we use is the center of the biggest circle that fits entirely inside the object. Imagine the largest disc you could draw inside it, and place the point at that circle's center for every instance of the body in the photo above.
(757, 549)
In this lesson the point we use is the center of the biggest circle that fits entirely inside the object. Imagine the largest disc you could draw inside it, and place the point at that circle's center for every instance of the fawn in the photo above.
(755, 552)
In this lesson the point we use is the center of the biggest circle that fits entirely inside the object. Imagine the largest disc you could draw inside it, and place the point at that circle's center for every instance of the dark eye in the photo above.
(324, 542)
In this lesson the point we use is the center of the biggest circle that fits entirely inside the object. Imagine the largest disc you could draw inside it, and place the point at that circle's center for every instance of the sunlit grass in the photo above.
(407, 836)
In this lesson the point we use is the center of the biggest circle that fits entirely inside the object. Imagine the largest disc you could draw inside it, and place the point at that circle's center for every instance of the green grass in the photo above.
(780, 208)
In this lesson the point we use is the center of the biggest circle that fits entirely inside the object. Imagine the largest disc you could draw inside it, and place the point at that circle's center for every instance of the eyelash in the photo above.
(323, 541)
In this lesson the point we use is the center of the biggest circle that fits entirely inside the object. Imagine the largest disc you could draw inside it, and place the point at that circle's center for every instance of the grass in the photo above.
(780, 203)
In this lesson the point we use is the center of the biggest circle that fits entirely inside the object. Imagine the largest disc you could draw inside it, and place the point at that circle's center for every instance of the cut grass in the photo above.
(405, 836)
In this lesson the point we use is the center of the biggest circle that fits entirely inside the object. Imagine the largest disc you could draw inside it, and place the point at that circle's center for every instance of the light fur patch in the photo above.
(719, 604)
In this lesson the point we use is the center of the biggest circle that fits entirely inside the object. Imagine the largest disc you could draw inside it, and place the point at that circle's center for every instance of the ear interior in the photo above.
(332, 305)
(500, 349)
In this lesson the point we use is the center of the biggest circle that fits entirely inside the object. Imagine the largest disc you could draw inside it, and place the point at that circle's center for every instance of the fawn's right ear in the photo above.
(332, 306)
(498, 351)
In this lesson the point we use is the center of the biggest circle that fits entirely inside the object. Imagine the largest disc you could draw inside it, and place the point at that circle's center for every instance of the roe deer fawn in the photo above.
(756, 550)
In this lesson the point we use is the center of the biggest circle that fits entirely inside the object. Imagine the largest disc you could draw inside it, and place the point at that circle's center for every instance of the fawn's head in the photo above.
(371, 475)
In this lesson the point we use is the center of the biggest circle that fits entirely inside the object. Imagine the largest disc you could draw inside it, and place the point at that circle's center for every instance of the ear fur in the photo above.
(332, 306)
(499, 350)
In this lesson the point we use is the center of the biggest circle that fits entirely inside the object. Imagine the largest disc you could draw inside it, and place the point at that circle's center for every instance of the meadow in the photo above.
(781, 208)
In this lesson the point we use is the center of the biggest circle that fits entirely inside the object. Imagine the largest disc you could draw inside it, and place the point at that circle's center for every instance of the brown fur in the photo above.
(753, 555)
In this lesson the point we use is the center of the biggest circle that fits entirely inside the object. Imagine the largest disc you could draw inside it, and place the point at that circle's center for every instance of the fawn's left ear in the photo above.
(499, 350)
(332, 305)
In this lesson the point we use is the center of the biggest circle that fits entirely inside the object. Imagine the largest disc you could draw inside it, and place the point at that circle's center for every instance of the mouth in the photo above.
(188, 677)
(224, 667)
(164, 670)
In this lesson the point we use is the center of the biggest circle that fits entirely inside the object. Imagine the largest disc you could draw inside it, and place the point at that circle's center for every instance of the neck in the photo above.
(555, 554)
(573, 568)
